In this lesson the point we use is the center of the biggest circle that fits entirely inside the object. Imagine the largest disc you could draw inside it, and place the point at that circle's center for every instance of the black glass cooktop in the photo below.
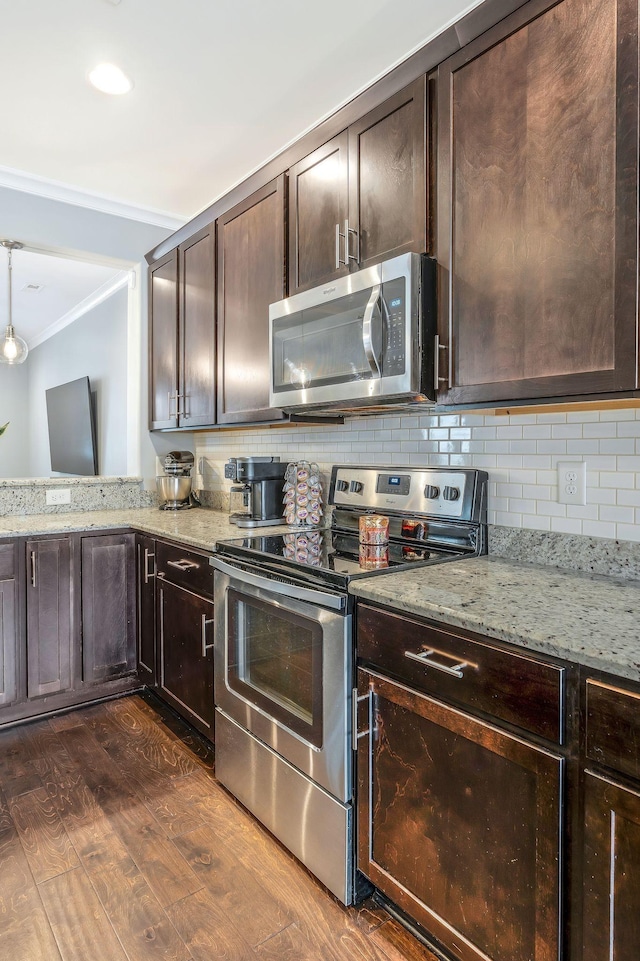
(325, 555)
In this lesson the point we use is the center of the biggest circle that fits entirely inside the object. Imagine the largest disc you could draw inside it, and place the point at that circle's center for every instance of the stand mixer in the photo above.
(174, 486)
(260, 481)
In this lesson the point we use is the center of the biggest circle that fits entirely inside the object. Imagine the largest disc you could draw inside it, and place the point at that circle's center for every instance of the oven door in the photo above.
(283, 670)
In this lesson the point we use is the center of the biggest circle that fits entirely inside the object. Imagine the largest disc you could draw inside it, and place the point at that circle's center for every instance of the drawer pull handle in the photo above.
(205, 647)
(457, 670)
(183, 565)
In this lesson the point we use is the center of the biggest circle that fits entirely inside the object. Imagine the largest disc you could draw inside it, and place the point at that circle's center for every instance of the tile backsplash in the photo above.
(519, 451)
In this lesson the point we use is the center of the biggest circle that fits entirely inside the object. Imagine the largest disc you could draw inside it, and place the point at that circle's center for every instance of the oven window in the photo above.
(275, 662)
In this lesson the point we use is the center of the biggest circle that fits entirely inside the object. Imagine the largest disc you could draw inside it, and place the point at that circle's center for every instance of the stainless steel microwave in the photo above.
(363, 341)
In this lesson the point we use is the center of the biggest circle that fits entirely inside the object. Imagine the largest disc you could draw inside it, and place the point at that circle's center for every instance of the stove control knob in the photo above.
(431, 492)
(342, 485)
(451, 493)
(355, 487)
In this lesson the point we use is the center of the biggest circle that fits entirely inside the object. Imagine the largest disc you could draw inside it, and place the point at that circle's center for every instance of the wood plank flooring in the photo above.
(117, 844)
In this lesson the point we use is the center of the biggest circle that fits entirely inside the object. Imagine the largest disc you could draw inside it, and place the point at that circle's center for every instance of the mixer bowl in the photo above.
(173, 490)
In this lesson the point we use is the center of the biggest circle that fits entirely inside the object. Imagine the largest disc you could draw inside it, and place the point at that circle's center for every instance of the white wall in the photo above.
(72, 229)
(520, 452)
(95, 346)
(14, 401)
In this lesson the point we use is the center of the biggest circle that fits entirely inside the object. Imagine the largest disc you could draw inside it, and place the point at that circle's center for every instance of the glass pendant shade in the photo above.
(13, 349)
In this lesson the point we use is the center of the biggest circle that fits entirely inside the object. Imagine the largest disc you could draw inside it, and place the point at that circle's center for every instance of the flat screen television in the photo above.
(72, 433)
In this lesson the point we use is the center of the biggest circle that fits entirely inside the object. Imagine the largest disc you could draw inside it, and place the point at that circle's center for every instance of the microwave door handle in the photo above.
(367, 331)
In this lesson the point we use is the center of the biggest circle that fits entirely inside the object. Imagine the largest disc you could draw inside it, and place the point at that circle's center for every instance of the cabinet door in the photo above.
(108, 606)
(48, 616)
(537, 193)
(251, 260)
(8, 642)
(611, 911)
(388, 178)
(185, 635)
(459, 824)
(163, 342)
(318, 208)
(146, 595)
(197, 331)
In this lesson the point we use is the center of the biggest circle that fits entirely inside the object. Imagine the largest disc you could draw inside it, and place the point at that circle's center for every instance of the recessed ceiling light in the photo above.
(110, 79)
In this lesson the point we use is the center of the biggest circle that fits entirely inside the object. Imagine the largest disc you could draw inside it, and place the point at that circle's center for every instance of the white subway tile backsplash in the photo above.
(520, 452)
(566, 430)
(618, 445)
(619, 515)
(599, 429)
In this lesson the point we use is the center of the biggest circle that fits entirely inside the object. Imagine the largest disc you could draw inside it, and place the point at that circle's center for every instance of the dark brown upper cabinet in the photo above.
(182, 335)
(163, 342)
(362, 197)
(251, 268)
(537, 205)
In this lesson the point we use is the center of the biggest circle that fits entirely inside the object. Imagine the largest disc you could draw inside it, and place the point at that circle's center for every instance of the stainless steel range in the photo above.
(284, 654)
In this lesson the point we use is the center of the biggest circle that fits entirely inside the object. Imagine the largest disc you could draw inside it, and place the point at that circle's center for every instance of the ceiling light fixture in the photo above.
(110, 79)
(13, 349)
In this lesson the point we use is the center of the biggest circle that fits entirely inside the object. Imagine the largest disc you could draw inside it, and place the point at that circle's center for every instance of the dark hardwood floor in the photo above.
(117, 844)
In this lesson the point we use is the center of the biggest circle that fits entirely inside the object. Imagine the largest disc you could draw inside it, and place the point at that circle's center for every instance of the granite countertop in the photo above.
(200, 527)
(586, 618)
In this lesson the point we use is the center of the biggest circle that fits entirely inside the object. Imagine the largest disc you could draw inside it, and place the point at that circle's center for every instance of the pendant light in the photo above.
(13, 349)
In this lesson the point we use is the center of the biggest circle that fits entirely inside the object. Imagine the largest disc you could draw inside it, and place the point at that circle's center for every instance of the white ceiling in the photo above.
(220, 86)
(67, 287)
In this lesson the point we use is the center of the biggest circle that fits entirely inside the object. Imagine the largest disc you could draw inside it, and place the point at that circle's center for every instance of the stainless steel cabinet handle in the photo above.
(148, 556)
(339, 262)
(179, 412)
(205, 647)
(173, 395)
(437, 379)
(33, 569)
(424, 658)
(355, 734)
(347, 249)
(183, 565)
(367, 331)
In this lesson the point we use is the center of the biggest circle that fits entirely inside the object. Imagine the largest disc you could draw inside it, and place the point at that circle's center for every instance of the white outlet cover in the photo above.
(572, 482)
(59, 496)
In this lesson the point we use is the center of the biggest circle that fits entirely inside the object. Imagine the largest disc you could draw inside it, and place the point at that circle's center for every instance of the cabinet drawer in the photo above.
(185, 567)
(613, 728)
(508, 686)
(7, 561)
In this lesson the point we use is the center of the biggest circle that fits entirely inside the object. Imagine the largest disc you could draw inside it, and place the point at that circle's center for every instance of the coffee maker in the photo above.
(174, 486)
(260, 481)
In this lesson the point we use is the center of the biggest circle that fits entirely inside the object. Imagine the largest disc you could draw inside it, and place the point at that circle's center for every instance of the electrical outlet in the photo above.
(60, 496)
(572, 482)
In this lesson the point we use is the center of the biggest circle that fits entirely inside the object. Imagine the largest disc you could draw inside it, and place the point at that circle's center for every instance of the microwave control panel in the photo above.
(394, 327)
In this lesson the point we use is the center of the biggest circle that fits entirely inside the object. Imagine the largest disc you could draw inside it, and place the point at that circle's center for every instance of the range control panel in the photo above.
(435, 491)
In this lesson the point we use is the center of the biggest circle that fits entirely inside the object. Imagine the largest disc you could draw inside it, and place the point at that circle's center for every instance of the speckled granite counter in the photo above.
(199, 527)
(584, 618)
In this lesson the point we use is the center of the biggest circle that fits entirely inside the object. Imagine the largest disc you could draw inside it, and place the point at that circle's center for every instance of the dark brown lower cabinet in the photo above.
(8, 641)
(611, 874)
(49, 638)
(108, 606)
(459, 825)
(185, 641)
(146, 619)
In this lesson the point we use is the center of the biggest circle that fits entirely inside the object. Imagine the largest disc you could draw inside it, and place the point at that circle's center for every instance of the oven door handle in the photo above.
(314, 595)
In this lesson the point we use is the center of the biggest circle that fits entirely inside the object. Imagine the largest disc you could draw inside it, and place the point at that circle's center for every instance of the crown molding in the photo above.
(56, 190)
(97, 297)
